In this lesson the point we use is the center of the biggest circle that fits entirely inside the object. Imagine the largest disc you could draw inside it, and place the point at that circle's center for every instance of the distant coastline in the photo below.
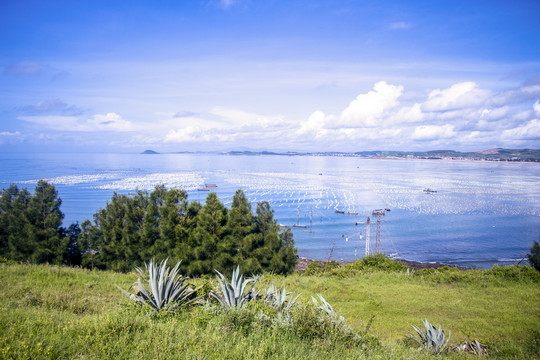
(492, 155)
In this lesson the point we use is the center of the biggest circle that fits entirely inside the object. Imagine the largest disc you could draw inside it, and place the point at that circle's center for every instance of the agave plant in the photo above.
(280, 299)
(234, 294)
(325, 307)
(432, 339)
(167, 287)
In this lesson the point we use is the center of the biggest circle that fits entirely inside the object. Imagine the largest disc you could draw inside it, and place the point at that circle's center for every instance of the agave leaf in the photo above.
(167, 286)
(234, 294)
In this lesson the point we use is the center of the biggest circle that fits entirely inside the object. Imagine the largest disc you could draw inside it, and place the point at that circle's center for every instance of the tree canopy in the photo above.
(131, 230)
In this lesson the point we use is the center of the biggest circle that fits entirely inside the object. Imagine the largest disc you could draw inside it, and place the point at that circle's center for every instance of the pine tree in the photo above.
(14, 242)
(211, 221)
(72, 253)
(534, 256)
(45, 218)
(240, 224)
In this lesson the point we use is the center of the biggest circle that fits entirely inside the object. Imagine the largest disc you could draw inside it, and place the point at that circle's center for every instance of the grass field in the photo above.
(57, 312)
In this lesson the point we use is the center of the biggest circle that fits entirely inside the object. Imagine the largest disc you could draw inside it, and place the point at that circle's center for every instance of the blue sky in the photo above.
(293, 75)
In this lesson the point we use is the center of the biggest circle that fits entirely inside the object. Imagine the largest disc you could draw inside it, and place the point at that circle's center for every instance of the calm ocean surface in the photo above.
(482, 213)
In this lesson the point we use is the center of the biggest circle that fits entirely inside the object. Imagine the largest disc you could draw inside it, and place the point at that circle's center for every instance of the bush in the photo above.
(318, 267)
(377, 261)
(514, 272)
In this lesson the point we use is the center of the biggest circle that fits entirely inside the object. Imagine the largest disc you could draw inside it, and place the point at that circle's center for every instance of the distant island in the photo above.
(498, 154)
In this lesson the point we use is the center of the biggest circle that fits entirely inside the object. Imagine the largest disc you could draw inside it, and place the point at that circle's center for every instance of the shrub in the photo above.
(514, 272)
(318, 267)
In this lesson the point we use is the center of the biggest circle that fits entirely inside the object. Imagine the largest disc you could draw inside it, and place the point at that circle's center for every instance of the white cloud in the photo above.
(536, 108)
(528, 131)
(7, 133)
(314, 124)
(55, 122)
(433, 132)
(107, 122)
(228, 3)
(367, 110)
(495, 114)
(408, 114)
(400, 25)
(458, 96)
(187, 134)
(512, 96)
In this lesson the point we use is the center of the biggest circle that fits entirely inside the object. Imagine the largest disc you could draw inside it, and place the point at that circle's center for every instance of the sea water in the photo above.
(482, 213)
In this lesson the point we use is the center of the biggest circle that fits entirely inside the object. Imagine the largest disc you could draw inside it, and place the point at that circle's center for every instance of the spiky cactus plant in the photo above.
(327, 309)
(432, 339)
(167, 287)
(234, 294)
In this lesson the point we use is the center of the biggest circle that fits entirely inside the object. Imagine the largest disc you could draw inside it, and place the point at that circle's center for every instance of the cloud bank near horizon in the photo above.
(462, 116)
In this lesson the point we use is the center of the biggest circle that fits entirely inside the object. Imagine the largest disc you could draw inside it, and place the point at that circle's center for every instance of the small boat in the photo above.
(387, 209)
(339, 212)
(429, 191)
(299, 226)
(352, 213)
(203, 189)
(210, 186)
(378, 212)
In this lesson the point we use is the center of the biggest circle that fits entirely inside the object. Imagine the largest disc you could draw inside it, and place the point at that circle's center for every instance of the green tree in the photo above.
(45, 218)
(119, 227)
(211, 222)
(240, 224)
(90, 243)
(14, 242)
(72, 253)
(173, 218)
(534, 256)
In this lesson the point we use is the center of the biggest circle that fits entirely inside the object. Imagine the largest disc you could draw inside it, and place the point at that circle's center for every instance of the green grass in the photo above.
(56, 312)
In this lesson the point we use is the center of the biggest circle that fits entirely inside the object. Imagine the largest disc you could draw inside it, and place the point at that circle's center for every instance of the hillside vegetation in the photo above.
(50, 312)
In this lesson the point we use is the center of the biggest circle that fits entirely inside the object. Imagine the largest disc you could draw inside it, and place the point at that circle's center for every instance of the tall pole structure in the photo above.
(378, 238)
(367, 236)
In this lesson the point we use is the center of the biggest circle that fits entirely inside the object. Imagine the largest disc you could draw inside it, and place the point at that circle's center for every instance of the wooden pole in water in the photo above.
(367, 236)
(378, 238)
